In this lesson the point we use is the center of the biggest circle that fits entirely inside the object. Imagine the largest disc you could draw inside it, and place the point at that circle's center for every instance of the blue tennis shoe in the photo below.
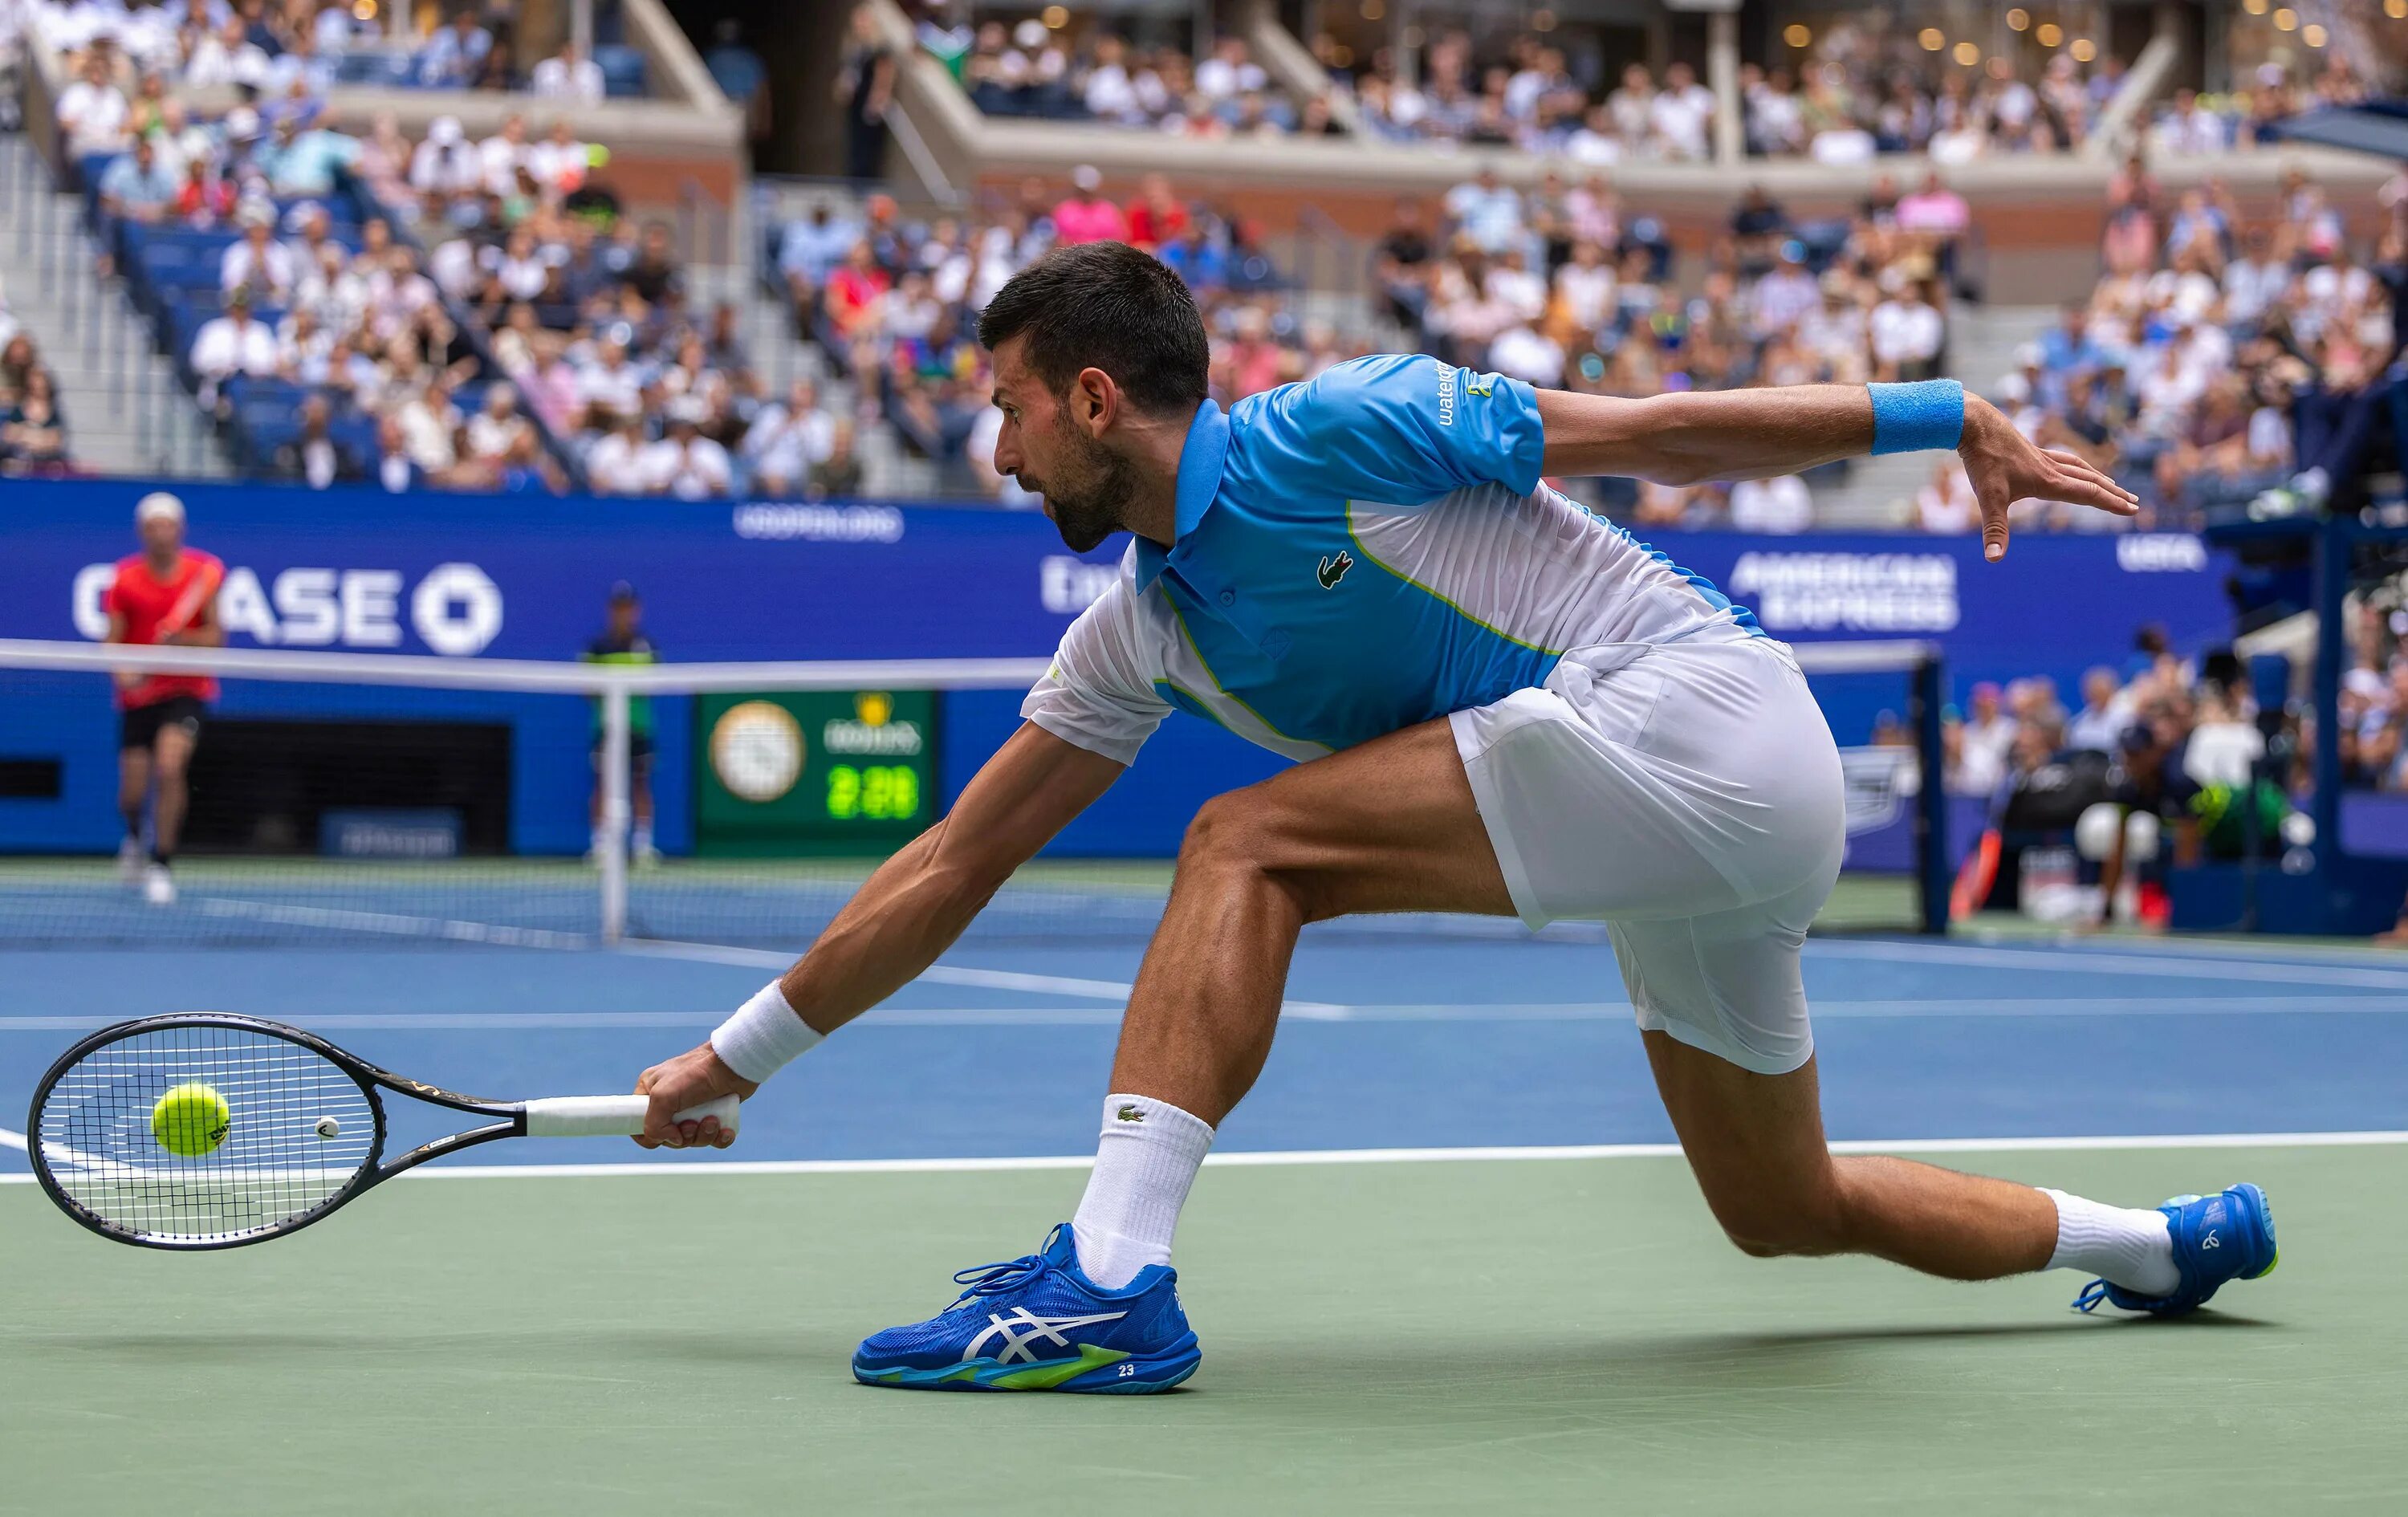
(1037, 1323)
(2228, 1236)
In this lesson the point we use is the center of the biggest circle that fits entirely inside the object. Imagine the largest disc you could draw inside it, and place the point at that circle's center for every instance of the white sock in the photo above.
(1146, 1157)
(644, 838)
(2123, 1246)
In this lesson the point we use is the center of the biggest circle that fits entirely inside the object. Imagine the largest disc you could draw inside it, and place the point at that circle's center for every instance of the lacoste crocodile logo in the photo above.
(1334, 570)
(1130, 1113)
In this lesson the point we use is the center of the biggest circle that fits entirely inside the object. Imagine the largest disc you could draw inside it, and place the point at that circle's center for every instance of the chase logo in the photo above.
(455, 609)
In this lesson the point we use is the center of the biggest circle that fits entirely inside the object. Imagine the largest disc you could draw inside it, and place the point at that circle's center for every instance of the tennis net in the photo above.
(397, 799)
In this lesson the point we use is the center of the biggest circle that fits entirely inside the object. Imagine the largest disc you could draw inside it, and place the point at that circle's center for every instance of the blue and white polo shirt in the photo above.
(1355, 554)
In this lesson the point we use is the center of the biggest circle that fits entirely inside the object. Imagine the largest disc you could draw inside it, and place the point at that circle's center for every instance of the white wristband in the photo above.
(763, 1035)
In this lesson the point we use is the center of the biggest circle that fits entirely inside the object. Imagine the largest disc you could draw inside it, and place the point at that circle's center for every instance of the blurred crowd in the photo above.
(892, 302)
(1029, 69)
(2191, 123)
(2224, 360)
(1559, 285)
(1858, 90)
(1562, 287)
(285, 52)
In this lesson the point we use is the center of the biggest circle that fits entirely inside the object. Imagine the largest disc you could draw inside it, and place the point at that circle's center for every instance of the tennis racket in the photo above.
(301, 1134)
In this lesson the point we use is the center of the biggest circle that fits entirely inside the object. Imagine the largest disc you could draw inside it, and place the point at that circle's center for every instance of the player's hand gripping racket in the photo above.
(201, 1131)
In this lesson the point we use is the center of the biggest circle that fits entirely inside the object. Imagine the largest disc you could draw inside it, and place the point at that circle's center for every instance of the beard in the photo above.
(1091, 485)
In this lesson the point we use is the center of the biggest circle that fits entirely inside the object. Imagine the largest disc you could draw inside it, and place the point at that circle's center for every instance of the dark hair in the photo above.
(1107, 305)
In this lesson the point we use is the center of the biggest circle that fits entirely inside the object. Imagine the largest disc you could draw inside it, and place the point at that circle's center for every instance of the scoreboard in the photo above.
(814, 773)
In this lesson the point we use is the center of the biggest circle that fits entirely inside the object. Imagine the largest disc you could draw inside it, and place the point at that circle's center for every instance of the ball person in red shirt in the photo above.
(165, 594)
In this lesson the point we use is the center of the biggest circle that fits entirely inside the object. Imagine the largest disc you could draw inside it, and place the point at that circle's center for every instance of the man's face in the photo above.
(162, 537)
(1042, 444)
(623, 616)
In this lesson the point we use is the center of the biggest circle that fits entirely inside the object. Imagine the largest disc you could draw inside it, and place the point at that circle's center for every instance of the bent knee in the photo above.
(1802, 1228)
(1240, 828)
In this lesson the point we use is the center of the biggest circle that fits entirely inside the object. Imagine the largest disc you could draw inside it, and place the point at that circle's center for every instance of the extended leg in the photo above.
(133, 789)
(170, 758)
(1755, 1144)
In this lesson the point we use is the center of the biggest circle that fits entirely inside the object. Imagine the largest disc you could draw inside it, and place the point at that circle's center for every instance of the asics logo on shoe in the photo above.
(1129, 1113)
(1023, 1327)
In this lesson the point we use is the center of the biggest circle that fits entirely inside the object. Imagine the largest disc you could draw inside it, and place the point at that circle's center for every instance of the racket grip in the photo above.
(611, 1116)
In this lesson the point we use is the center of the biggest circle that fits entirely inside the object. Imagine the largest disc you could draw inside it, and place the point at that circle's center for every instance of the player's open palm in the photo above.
(2005, 467)
(681, 1084)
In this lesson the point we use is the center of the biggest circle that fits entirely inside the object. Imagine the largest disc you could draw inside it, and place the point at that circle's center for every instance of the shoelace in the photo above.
(1006, 1275)
(2091, 1295)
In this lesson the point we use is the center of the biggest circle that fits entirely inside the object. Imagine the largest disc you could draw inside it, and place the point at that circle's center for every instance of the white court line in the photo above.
(2039, 958)
(1275, 1159)
(1972, 1009)
(2079, 961)
(939, 974)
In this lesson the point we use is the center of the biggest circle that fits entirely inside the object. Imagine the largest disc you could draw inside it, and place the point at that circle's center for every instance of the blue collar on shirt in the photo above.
(1199, 482)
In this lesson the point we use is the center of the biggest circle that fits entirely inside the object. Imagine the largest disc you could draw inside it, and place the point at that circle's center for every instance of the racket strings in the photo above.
(273, 1165)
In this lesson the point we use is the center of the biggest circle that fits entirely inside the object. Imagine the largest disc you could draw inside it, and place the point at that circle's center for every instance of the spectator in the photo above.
(568, 76)
(1401, 262)
(494, 434)
(865, 91)
(1086, 215)
(1681, 115)
(234, 343)
(445, 164)
(314, 457)
(787, 438)
(1488, 211)
(454, 56)
(92, 112)
(136, 187)
(839, 473)
(685, 462)
(1156, 216)
(33, 434)
(1908, 333)
(1985, 738)
(260, 266)
(1946, 503)
(616, 464)
(1773, 506)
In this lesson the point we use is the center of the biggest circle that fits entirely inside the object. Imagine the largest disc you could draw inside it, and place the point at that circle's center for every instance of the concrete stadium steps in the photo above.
(125, 410)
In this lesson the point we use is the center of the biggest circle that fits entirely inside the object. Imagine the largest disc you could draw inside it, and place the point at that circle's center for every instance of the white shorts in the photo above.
(1690, 795)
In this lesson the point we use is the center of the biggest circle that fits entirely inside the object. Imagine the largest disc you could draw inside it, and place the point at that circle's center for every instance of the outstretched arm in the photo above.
(909, 912)
(1690, 437)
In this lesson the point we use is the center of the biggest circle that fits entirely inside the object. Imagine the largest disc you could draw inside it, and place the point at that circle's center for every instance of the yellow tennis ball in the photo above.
(191, 1120)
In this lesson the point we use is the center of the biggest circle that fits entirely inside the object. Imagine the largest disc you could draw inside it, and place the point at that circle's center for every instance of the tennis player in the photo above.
(1502, 705)
(165, 594)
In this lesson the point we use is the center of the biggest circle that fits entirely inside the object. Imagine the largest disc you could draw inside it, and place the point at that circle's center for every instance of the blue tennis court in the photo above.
(1403, 1042)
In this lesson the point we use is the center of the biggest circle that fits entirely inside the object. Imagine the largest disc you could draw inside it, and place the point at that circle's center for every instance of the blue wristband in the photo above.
(1912, 418)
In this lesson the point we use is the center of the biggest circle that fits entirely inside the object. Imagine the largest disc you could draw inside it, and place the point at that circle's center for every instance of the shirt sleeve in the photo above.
(1099, 694)
(1400, 429)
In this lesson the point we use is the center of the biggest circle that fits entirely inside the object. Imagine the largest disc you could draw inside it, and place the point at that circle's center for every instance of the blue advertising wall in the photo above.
(469, 577)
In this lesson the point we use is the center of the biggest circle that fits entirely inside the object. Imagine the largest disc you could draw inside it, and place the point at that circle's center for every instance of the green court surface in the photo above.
(1539, 1335)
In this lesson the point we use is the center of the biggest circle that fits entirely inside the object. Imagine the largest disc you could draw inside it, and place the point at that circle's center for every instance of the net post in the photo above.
(616, 729)
(1932, 872)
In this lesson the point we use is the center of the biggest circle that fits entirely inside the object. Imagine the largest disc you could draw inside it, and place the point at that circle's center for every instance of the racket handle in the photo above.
(611, 1116)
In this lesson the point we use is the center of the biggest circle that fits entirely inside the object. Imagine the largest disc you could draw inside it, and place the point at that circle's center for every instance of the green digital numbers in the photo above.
(875, 792)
